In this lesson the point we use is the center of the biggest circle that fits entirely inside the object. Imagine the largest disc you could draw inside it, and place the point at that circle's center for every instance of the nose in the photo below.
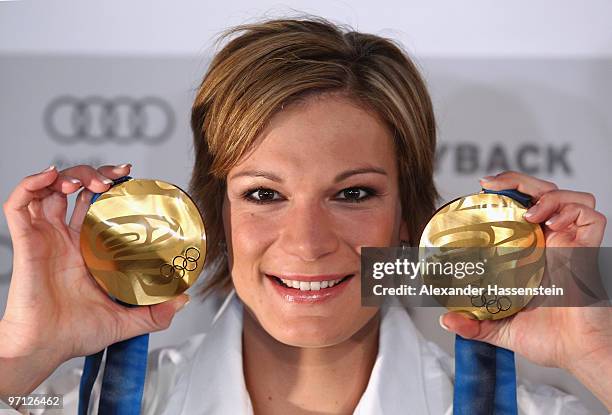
(308, 232)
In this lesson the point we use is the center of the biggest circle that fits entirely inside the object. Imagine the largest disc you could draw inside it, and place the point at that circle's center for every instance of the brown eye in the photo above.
(262, 195)
(355, 194)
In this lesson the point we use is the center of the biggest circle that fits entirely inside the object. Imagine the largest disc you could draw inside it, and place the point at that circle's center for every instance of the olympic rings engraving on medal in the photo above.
(96, 120)
(478, 300)
(493, 304)
(497, 304)
(166, 271)
(181, 263)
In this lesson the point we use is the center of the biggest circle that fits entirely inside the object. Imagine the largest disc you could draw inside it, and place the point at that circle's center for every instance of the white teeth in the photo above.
(310, 286)
(334, 282)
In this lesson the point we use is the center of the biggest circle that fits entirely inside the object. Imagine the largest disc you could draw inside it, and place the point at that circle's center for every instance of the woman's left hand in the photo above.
(578, 339)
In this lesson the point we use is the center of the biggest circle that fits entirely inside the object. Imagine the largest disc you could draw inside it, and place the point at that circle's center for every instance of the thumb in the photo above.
(146, 319)
(495, 332)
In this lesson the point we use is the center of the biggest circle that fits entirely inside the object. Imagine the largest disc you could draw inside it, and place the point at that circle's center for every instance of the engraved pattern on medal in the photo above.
(144, 241)
(510, 246)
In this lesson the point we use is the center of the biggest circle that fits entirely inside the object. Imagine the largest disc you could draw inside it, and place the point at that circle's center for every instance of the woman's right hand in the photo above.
(55, 309)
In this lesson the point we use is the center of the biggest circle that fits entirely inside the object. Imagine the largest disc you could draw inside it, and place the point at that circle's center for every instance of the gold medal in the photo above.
(486, 229)
(144, 241)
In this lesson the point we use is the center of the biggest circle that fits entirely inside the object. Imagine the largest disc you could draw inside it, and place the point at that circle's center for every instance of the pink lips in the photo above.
(294, 295)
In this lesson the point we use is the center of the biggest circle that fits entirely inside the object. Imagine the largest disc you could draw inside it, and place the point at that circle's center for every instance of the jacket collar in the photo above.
(215, 381)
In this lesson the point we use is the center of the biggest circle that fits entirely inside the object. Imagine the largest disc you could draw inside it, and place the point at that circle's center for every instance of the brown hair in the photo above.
(273, 63)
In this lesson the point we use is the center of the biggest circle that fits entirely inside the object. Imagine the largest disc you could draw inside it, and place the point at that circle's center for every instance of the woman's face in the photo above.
(320, 184)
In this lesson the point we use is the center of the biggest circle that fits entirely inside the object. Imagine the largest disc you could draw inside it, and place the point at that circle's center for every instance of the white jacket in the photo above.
(204, 375)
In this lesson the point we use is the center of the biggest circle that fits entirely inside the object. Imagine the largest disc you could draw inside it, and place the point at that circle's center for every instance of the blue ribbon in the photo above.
(124, 372)
(485, 375)
(485, 379)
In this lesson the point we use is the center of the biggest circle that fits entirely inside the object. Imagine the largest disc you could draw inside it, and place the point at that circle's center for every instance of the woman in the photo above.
(311, 141)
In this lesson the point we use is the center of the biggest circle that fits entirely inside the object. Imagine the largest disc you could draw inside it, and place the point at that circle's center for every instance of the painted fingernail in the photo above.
(487, 178)
(444, 326)
(180, 307)
(107, 181)
(123, 166)
(532, 211)
(51, 167)
(552, 220)
(75, 181)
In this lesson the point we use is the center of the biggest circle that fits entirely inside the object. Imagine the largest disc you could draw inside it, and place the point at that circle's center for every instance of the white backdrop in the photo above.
(525, 86)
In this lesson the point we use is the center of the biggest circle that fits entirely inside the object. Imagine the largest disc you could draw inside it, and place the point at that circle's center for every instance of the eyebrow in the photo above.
(341, 176)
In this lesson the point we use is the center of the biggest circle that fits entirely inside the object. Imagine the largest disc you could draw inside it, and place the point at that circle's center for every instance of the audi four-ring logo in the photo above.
(96, 120)
(181, 263)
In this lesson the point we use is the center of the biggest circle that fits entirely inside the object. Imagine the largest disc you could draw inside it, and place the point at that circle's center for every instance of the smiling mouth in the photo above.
(309, 285)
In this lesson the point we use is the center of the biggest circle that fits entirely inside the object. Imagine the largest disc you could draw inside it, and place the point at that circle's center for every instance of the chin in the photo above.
(318, 331)
(309, 332)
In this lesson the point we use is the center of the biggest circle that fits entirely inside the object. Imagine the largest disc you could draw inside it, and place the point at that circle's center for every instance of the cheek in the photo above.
(375, 227)
(250, 235)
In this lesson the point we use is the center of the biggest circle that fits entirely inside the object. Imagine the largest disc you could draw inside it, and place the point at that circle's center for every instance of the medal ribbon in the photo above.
(124, 372)
(485, 375)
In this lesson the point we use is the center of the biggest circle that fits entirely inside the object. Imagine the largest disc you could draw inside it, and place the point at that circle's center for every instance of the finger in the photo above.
(115, 172)
(30, 188)
(54, 208)
(590, 224)
(524, 183)
(89, 177)
(552, 202)
(491, 331)
(84, 199)
(80, 210)
(146, 319)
